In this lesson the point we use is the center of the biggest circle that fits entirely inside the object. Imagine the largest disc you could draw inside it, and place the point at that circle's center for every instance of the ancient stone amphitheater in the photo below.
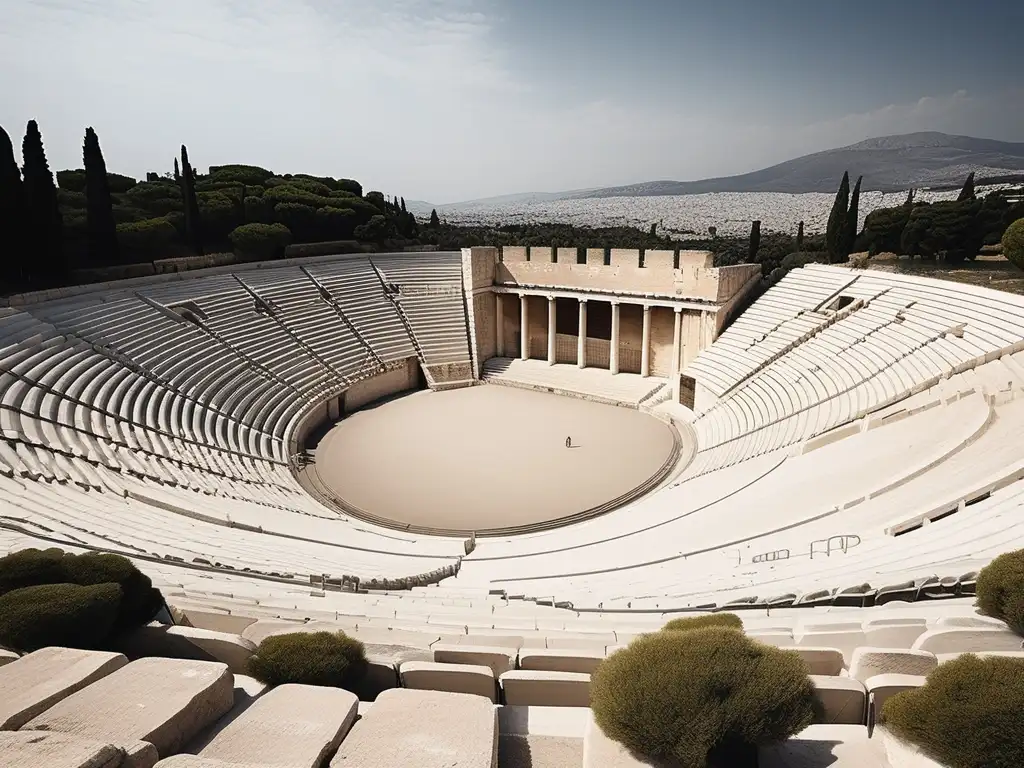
(844, 458)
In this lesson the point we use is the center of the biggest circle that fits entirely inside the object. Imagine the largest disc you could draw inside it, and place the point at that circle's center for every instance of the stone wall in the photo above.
(733, 279)
(447, 373)
(401, 379)
(478, 266)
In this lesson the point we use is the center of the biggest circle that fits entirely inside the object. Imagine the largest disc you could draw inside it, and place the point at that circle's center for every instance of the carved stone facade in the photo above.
(623, 310)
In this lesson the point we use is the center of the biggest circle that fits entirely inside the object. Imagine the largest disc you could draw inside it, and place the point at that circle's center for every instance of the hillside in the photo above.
(888, 163)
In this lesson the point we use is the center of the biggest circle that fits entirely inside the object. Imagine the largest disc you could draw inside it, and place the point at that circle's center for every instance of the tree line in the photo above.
(90, 218)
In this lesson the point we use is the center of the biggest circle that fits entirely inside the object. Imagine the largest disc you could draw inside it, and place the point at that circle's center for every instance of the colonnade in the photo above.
(581, 349)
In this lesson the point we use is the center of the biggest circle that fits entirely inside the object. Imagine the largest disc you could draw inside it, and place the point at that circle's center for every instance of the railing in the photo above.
(838, 543)
(771, 557)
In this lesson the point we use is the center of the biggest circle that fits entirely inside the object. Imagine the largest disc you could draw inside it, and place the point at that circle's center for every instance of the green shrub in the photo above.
(1013, 243)
(148, 191)
(948, 227)
(33, 567)
(300, 182)
(258, 211)
(1000, 590)
(967, 714)
(375, 230)
(336, 222)
(701, 696)
(263, 241)
(74, 181)
(69, 199)
(320, 658)
(66, 615)
(686, 623)
(140, 601)
(149, 235)
(30, 567)
(349, 185)
(246, 174)
(300, 219)
(120, 183)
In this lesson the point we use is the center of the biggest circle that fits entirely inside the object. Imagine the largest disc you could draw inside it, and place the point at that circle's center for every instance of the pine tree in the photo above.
(800, 236)
(12, 214)
(42, 214)
(434, 221)
(850, 229)
(837, 221)
(967, 193)
(101, 229)
(755, 241)
(193, 225)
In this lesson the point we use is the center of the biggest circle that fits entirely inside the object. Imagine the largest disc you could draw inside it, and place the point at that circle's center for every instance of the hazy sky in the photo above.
(447, 100)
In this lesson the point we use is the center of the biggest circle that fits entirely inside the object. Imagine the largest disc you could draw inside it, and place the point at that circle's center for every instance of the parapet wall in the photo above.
(624, 270)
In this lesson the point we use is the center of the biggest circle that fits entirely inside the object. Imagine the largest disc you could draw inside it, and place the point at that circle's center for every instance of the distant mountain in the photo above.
(888, 163)
(419, 207)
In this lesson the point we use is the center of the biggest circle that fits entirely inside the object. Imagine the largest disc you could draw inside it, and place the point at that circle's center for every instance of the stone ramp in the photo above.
(37, 681)
(163, 702)
(292, 726)
(423, 729)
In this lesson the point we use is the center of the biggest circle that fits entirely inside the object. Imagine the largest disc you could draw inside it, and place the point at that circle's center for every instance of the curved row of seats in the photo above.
(155, 416)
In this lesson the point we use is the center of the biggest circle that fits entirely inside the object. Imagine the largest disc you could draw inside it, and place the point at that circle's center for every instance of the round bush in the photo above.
(700, 697)
(1013, 243)
(33, 567)
(30, 567)
(967, 714)
(64, 615)
(310, 658)
(261, 241)
(1000, 590)
(146, 235)
(686, 623)
(140, 599)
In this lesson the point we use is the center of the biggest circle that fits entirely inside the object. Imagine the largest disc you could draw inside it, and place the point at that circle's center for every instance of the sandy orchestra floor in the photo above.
(488, 457)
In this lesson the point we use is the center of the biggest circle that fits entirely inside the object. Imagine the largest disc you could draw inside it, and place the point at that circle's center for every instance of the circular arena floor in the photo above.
(488, 457)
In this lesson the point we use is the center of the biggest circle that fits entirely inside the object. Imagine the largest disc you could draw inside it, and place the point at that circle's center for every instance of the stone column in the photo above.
(677, 337)
(524, 327)
(499, 330)
(645, 344)
(581, 346)
(551, 330)
(613, 356)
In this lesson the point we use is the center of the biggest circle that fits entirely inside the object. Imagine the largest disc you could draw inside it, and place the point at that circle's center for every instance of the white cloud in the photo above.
(414, 97)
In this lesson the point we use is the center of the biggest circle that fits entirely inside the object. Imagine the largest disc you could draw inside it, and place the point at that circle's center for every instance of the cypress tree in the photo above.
(967, 192)
(193, 226)
(403, 206)
(850, 229)
(177, 173)
(101, 230)
(12, 214)
(43, 220)
(755, 241)
(837, 221)
(434, 221)
(910, 198)
(800, 236)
